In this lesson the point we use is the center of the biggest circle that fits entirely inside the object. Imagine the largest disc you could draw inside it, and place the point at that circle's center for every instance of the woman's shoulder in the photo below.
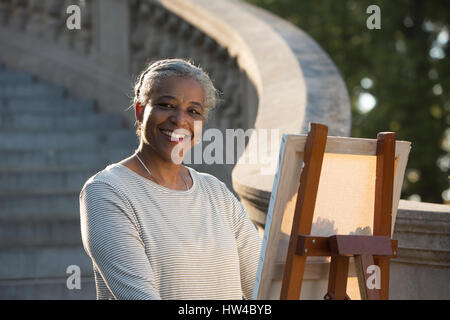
(207, 178)
(112, 176)
(221, 194)
(210, 184)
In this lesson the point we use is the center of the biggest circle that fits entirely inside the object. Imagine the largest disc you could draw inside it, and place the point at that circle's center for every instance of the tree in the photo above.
(397, 76)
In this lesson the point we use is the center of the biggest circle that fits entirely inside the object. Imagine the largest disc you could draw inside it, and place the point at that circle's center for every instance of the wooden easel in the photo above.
(367, 250)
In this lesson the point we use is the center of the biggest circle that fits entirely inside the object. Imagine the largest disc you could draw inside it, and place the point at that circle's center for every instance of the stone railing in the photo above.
(271, 74)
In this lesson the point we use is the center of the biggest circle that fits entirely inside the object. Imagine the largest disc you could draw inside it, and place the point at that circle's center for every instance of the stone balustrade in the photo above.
(261, 88)
(117, 38)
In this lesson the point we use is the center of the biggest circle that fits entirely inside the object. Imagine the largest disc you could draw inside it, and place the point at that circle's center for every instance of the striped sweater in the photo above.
(150, 242)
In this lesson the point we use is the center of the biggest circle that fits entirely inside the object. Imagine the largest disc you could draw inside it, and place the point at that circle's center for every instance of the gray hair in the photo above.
(150, 77)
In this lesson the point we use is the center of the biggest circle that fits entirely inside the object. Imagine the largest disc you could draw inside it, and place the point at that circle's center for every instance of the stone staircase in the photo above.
(50, 144)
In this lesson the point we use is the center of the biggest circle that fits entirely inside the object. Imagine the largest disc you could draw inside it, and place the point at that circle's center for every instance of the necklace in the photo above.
(145, 167)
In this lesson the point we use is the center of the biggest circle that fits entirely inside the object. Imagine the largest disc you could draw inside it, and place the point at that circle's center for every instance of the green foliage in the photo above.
(409, 71)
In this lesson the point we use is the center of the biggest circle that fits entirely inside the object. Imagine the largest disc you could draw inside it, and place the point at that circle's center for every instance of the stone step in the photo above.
(31, 90)
(15, 233)
(46, 289)
(50, 145)
(45, 105)
(44, 181)
(36, 207)
(55, 122)
(22, 141)
(60, 159)
(14, 77)
(42, 262)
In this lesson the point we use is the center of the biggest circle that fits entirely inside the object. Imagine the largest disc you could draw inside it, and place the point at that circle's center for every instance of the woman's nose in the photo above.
(179, 116)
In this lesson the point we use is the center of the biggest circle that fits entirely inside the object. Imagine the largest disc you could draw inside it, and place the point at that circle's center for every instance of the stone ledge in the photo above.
(423, 234)
(436, 258)
(415, 206)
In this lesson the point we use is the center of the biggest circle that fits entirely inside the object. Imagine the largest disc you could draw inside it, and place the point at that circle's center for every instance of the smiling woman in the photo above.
(174, 108)
(156, 229)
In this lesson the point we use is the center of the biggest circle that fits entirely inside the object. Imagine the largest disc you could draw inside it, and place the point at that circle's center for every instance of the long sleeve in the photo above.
(110, 235)
(248, 244)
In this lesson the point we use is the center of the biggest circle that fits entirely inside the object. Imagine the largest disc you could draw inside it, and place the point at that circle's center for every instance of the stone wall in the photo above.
(422, 268)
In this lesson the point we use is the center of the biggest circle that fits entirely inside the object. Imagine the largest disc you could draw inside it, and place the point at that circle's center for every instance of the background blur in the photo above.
(398, 77)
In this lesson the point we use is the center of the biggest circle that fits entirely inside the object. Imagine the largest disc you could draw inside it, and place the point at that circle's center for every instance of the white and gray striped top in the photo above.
(150, 242)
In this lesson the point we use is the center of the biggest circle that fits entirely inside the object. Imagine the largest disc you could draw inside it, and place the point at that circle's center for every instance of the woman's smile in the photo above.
(174, 136)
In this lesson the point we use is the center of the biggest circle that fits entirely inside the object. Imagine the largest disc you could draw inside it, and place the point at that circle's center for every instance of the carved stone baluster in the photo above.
(139, 33)
(54, 22)
(5, 12)
(66, 37)
(209, 50)
(83, 37)
(155, 37)
(219, 68)
(182, 40)
(36, 17)
(169, 42)
(194, 45)
(19, 14)
(230, 114)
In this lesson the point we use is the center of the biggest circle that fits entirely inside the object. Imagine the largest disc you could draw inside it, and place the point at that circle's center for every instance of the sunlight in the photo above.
(366, 102)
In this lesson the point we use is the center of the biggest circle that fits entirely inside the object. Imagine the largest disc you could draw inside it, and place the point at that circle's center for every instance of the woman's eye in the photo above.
(195, 112)
(166, 105)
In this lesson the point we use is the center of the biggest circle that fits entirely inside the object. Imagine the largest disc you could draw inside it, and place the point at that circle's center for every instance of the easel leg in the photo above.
(304, 210)
(367, 278)
(293, 278)
(337, 282)
(384, 264)
(384, 185)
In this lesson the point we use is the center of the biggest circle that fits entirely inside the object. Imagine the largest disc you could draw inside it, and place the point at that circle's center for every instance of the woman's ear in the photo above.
(139, 108)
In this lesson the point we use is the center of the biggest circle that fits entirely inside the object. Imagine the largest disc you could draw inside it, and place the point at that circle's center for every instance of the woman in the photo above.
(156, 229)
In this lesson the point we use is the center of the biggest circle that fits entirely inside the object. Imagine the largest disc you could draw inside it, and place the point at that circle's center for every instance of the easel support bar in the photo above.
(346, 245)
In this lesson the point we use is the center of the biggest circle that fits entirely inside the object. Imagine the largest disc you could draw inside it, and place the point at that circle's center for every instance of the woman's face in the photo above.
(173, 117)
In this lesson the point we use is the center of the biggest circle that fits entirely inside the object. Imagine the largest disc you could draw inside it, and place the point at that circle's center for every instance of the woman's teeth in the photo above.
(173, 134)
